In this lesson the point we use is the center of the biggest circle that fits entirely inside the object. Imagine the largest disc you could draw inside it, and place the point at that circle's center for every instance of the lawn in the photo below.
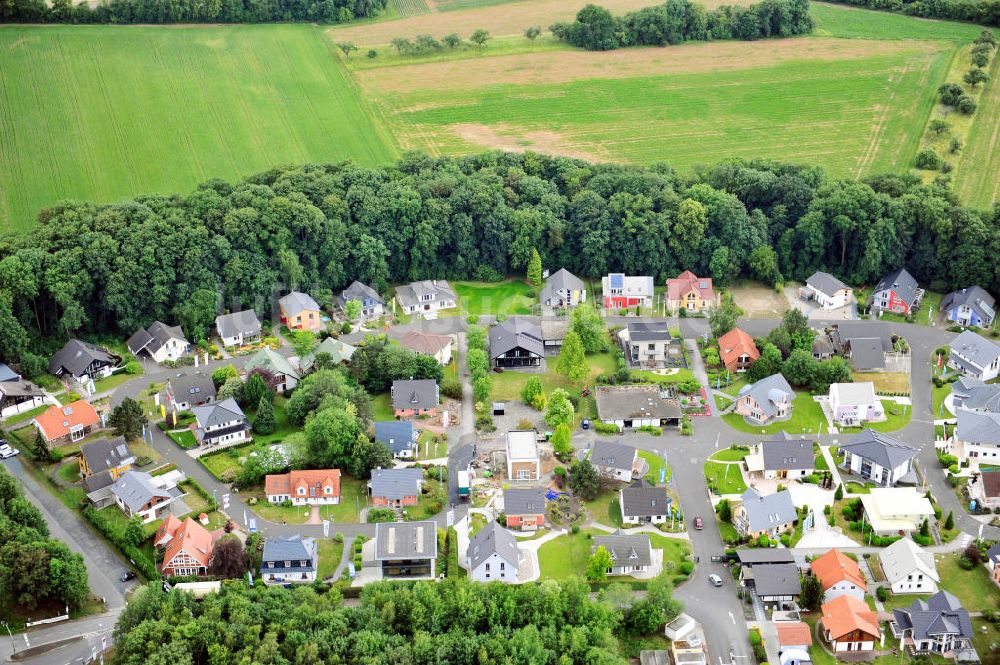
(897, 416)
(382, 407)
(69, 471)
(940, 395)
(330, 553)
(730, 455)
(113, 381)
(979, 164)
(725, 478)
(885, 382)
(680, 376)
(508, 385)
(819, 461)
(282, 427)
(509, 297)
(26, 416)
(121, 111)
(184, 438)
(606, 509)
(567, 555)
(807, 418)
(225, 460)
(655, 463)
(431, 447)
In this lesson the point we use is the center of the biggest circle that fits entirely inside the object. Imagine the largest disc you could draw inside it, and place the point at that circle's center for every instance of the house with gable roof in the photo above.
(372, 305)
(738, 350)
(866, 344)
(81, 361)
(159, 341)
(394, 488)
(839, 574)
(304, 487)
(292, 560)
(630, 554)
(646, 344)
(18, 396)
(516, 343)
(880, 458)
(908, 568)
(621, 291)
(976, 437)
(187, 547)
(138, 493)
(985, 488)
(614, 460)
(524, 508)
(974, 356)
(826, 291)
(896, 293)
(220, 423)
(938, 625)
(429, 344)
(399, 436)
(563, 289)
(970, 306)
(282, 376)
(782, 457)
(106, 454)
(493, 555)
(971, 394)
(238, 328)
(644, 503)
(771, 515)
(849, 625)
(298, 311)
(767, 401)
(66, 424)
(691, 293)
(190, 388)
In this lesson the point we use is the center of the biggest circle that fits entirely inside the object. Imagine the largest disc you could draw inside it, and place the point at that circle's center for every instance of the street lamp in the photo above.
(12, 645)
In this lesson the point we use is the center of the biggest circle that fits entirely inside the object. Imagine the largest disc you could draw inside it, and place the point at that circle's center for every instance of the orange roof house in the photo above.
(793, 633)
(737, 350)
(848, 622)
(63, 424)
(839, 575)
(187, 547)
(690, 292)
(304, 487)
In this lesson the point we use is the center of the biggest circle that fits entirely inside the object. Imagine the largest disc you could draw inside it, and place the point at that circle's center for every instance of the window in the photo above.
(502, 565)
(487, 565)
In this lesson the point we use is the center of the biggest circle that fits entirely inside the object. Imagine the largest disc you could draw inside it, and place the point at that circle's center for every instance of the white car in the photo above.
(715, 580)
(6, 451)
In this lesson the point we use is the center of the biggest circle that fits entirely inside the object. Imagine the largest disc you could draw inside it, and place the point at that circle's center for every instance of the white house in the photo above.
(827, 291)
(854, 403)
(976, 437)
(426, 297)
(238, 328)
(909, 569)
(138, 493)
(894, 510)
(220, 423)
(614, 460)
(642, 503)
(880, 458)
(493, 555)
(782, 458)
(974, 356)
(630, 554)
(160, 341)
(522, 455)
(289, 560)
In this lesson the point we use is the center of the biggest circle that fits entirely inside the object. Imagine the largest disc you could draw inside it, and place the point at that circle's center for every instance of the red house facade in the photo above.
(624, 291)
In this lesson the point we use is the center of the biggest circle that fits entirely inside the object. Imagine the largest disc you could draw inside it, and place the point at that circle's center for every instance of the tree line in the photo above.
(676, 21)
(188, 11)
(35, 570)
(453, 621)
(98, 269)
(983, 12)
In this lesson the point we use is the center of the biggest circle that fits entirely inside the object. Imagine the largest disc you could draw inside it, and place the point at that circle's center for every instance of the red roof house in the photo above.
(64, 424)
(737, 350)
(311, 487)
(187, 547)
(690, 292)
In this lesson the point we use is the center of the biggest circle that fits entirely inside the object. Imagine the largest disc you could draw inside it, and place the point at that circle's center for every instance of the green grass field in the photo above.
(117, 111)
(510, 297)
(807, 418)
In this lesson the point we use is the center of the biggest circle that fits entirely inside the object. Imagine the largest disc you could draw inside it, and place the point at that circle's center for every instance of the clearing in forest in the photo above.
(116, 111)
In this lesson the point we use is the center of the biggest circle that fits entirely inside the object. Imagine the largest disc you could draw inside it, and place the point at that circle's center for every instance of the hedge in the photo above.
(133, 553)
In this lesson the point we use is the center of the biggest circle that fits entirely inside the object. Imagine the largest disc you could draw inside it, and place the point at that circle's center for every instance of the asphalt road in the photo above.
(718, 609)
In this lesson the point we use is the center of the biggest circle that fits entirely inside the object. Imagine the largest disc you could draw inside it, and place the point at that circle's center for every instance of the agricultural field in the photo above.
(849, 97)
(977, 182)
(117, 111)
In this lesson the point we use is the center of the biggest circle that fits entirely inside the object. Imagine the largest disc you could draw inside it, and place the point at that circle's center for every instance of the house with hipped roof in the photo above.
(278, 370)
(974, 356)
(339, 352)
(938, 625)
(394, 488)
(908, 568)
(970, 306)
(372, 305)
(304, 487)
(426, 297)
(839, 575)
(691, 293)
(429, 344)
(238, 328)
(880, 458)
(299, 311)
(767, 401)
(630, 553)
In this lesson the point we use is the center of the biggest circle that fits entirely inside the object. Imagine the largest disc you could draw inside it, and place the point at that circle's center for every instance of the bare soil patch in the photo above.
(506, 137)
(759, 302)
(500, 20)
(554, 67)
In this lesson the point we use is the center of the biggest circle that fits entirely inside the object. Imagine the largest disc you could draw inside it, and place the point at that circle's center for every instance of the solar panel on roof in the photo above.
(617, 280)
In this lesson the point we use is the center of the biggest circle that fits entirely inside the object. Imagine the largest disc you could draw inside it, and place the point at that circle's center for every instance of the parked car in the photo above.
(585, 424)
(718, 558)
(699, 523)
(127, 575)
(715, 580)
(6, 451)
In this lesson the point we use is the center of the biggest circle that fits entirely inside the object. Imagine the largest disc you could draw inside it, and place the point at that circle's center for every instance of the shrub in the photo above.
(381, 515)
(452, 388)
(882, 594)
(605, 428)
(928, 160)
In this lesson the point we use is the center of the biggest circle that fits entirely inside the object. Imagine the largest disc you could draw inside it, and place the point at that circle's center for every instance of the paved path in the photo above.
(698, 369)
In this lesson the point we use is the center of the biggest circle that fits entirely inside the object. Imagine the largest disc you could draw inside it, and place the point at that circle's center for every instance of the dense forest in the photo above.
(188, 11)
(984, 12)
(676, 21)
(89, 268)
(454, 621)
(35, 570)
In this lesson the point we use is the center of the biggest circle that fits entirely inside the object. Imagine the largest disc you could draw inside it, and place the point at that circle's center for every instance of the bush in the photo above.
(882, 594)
(452, 388)
(928, 160)
(965, 563)
(605, 428)
(381, 515)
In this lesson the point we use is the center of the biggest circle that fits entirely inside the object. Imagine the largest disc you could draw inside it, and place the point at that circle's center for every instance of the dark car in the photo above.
(585, 424)
(699, 523)
(718, 558)
(127, 575)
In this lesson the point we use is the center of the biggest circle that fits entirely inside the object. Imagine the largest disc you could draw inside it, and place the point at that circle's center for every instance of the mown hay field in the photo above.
(106, 112)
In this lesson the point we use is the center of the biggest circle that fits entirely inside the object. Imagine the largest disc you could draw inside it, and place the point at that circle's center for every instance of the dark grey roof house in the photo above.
(292, 559)
(764, 514)
(515, 343)
(488, 549)
(786, 453)
(880, 458)
(971, 306)
(628, 552)
(896, 292)
(238, 327)
(825, 283)
(775, 582)
(865, 343)
(563, 289)
(415, 395)
(611, 456)
(642, 502)
(7, 374)
(104, 454)
(399, 436)
(191, 388)
(81, 359)
(526, 501)
(764, 556)
(937, 625)
(974, 356)
(406, 549)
